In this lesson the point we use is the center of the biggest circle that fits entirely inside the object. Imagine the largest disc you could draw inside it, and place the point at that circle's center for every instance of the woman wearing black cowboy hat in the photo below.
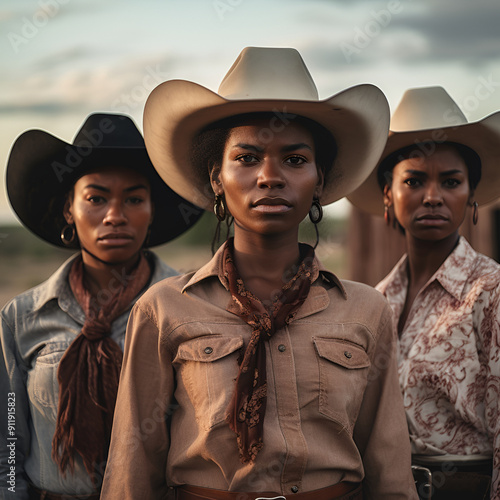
(262, 375)
(62, 341)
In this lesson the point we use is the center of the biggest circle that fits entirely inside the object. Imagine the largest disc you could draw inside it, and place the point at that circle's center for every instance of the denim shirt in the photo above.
(36, 329)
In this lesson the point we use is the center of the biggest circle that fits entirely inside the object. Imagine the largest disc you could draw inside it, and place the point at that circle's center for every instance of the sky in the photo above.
(61, 60)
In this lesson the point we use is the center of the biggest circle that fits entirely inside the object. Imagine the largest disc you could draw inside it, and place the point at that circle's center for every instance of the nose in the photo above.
(432, 195)
(270, 174)
(115, 215)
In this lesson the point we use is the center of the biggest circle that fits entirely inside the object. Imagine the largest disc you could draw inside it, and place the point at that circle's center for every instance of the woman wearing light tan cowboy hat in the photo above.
(262, 375)
(445, 296)
(62, 341)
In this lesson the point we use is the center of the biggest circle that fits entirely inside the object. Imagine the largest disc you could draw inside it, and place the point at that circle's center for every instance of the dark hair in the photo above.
(468, 155)
(208, 145)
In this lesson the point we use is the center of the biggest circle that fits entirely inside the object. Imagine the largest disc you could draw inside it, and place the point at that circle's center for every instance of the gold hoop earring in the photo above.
(316, 211)
(66, 238)
(475, 212)
(219, 207)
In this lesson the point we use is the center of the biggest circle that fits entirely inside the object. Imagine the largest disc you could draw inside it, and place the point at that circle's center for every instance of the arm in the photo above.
(381, 431)
(14, 417)
(139, 442)
(489, 333)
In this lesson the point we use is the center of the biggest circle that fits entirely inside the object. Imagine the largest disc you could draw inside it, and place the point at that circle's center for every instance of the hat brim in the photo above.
(42, 168)
(482, 136)
(177, 111)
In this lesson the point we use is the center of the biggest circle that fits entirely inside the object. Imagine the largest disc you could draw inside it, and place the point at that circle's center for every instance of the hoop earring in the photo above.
(316, 211)
(387, 215)
(219, 207)
(475, 212)
(66, 238)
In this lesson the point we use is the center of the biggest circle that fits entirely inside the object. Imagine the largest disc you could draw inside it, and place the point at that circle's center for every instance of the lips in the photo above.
(272, 205)
(272, 201)
(116, 236)
(431, 217)
(115, 239)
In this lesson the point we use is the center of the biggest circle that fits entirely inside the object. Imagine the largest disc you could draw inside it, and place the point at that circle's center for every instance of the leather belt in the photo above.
(339, 491)
(36, 494)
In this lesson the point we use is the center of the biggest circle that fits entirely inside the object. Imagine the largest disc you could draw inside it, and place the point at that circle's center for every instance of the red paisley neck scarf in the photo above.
(248, 404)
(89, 371)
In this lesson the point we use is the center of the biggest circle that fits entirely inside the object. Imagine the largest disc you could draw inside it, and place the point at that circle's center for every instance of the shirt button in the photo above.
(281, 348)
(347, 354)
(294, 489)
(208, 350)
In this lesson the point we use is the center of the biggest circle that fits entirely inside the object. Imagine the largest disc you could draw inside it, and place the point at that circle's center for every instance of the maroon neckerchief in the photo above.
(248, 404)
(89, 371)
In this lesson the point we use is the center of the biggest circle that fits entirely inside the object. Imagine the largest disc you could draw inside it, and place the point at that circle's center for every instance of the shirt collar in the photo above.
(55, 287)
(214, 269)
(455, 270)
(452, 275)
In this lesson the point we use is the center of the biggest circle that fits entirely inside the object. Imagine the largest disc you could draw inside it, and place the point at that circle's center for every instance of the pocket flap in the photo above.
(208, 348)
(342, 353)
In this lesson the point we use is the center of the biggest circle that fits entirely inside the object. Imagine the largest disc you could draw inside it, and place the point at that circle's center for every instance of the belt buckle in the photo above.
(280, 497)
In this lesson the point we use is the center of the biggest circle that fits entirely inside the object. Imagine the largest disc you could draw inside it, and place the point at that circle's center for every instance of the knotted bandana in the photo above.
(89, 371)
(248, 404)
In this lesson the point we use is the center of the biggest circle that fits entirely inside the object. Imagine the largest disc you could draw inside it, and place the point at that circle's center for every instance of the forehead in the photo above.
(269, 131)
(113, 175)
(443, 158)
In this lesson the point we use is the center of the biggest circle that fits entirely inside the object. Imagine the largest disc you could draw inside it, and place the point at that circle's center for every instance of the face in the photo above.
(430, 195)
(268, 183)
(111, 210)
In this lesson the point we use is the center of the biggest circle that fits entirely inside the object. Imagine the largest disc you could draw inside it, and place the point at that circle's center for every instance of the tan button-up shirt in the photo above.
(334, 410)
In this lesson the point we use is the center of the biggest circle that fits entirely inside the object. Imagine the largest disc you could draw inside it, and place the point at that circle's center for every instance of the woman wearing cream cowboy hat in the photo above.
(262, 375)
(445, 296)
(61, 342)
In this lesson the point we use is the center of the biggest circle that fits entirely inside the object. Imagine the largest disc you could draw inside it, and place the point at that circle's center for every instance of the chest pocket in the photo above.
(42, 384)
(343, 372)
(207, 368)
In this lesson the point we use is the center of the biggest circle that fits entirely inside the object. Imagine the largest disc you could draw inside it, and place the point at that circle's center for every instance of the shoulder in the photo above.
(160, 269)
(363, 305)
(165, 292)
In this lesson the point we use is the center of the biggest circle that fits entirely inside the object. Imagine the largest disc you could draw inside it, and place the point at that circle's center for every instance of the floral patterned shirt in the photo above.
(449, 356)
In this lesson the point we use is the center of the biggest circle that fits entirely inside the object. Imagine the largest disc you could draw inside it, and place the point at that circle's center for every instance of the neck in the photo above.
(104, 277)
(265, 263)
(426, 257)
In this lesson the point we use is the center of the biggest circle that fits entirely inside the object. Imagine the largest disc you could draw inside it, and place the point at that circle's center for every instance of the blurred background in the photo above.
(64, 59)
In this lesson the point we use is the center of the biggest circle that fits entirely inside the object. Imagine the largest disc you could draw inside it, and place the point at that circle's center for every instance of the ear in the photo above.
(387, 195)
(215, 180)
(67, 210)
(152, 213)
(318, 191)
(471, 198)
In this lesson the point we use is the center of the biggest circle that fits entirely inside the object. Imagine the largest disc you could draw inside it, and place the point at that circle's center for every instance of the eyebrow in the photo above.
(107, 190)
(419, 173)
(290, 147)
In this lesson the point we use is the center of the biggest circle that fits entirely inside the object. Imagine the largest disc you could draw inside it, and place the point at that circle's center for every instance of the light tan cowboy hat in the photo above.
(270, 80)
(430, 115)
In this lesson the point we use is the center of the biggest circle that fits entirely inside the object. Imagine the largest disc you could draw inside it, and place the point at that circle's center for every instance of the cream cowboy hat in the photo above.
(429, 114)
(264, 79)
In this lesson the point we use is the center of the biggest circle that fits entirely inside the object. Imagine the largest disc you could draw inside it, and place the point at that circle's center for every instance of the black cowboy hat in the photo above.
(41, 170)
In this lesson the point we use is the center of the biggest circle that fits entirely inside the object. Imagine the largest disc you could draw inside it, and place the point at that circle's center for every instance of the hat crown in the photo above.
(101, 130)
(269, 73)
(426, 108)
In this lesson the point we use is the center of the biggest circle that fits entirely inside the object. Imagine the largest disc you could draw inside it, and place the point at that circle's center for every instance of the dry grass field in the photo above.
(26, 261)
